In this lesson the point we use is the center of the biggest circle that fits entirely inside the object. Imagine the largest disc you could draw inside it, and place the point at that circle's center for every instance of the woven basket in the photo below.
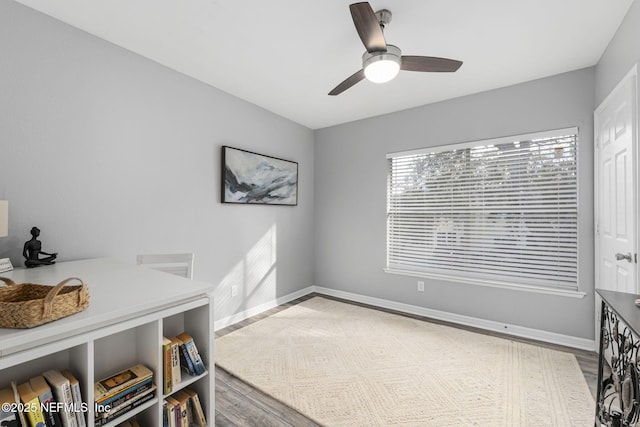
(27, 305)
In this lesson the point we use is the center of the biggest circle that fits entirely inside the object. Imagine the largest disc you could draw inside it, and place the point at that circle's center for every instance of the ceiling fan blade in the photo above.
(368, 27)
(349, 81)
(429, 64)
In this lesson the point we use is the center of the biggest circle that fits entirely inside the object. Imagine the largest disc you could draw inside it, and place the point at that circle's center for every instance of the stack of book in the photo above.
(179, 351)
(183, 409)
(52, 399)
(120, 393)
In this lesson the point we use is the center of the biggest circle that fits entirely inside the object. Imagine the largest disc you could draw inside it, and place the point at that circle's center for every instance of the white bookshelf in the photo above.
(131, 309)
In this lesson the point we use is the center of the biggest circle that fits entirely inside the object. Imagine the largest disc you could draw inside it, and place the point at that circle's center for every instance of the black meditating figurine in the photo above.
(33, 250)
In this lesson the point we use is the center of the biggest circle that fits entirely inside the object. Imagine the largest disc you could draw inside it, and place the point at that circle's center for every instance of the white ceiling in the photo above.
(286, 55)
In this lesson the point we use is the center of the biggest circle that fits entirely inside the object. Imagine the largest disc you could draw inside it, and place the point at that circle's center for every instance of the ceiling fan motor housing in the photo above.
(384, 17)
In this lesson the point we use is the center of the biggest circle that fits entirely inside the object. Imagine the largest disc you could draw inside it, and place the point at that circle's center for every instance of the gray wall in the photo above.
(621, 55)
(113, 155)
(351, 198)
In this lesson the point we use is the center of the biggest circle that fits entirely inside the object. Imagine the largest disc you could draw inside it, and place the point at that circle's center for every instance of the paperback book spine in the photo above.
(172, 404)
(166, 366)
(198, 412)
(42, 389)
(31, 405)
(16, 399)
(183, 401)
(62, 394)
(185, 360)
(176, 370)
(77, 396)
(192, 351)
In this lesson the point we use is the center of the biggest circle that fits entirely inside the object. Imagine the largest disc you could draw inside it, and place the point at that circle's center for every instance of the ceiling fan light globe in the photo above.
(381, 71)
(380, 67)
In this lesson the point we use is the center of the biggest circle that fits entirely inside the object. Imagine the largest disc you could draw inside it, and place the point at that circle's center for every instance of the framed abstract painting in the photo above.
(252, 178)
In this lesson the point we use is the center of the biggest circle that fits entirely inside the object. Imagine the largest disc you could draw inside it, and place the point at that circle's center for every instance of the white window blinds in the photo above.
(502, 211)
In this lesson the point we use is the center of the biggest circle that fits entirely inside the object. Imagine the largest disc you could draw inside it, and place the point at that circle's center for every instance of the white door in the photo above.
(616, 188)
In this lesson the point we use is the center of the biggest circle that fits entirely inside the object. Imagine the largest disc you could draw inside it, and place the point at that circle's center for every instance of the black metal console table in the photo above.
(618, 394)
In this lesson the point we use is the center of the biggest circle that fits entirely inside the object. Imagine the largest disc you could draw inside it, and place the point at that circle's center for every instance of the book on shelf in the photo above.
(16, 399)
(171, 363)
(196, 408)
(191, 354)
(31, 405)
(77, 396)
(9, 415)
(123, 380)
(128, 394)
(184, 415)
(40, 386)
(176, 370)
(185, 361)
(118, 411)
(165, 417)
(167, 371)
(62, 394)
(172, 411)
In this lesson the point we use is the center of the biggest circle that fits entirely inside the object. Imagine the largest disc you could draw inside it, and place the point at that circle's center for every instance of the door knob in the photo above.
(620, 257)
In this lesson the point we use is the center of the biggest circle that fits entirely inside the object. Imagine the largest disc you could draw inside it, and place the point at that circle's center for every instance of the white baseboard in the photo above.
(490, 325)
(239, 317)
(515, 330)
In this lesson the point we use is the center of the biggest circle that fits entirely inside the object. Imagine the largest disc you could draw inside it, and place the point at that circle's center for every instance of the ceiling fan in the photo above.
(382, 62)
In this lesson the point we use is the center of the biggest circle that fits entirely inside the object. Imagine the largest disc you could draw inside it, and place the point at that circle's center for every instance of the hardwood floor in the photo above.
(239, 404)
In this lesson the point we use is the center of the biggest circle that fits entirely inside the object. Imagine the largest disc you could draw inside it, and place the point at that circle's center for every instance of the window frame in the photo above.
(474, 277)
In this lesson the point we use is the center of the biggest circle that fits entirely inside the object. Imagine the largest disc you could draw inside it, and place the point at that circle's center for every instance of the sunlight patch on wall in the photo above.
(253, 278)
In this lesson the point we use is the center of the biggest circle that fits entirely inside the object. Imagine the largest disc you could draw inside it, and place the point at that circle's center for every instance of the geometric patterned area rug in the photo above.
(345, 365)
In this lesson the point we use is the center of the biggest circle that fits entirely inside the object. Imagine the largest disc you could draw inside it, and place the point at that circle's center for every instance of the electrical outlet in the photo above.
(234, 290)
(420, 286)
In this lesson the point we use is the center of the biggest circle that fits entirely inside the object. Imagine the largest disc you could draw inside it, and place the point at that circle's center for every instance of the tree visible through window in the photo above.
(501, 211)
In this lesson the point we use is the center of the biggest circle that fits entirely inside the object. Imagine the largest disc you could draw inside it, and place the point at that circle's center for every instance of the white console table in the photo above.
(131, 309)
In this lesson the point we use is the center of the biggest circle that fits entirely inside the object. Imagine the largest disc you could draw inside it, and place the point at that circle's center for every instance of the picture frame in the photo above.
(253, 178)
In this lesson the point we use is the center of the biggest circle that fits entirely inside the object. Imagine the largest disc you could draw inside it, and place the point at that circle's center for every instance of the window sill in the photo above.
(493, 284)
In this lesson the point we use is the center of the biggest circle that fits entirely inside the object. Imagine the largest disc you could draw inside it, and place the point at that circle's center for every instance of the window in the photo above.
(500, 212)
